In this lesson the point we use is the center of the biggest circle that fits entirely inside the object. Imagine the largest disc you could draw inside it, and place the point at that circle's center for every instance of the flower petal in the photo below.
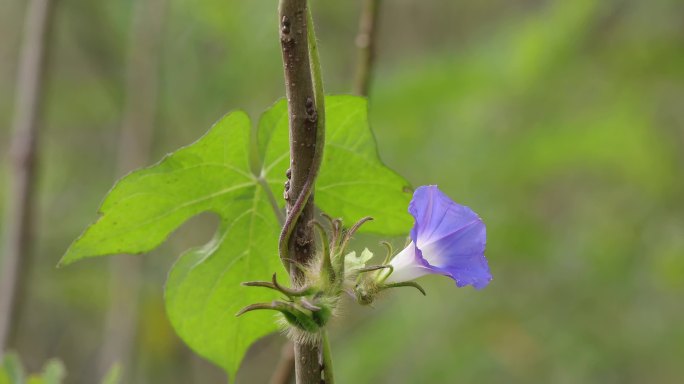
(353, 262)
(449, 239)
(408, 265)
(436, 215)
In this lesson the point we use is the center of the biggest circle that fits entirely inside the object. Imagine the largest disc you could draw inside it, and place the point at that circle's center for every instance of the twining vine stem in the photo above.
(306, 110)
(314, 113)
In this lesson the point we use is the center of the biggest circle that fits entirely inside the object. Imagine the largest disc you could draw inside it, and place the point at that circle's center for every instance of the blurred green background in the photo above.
(560, 122)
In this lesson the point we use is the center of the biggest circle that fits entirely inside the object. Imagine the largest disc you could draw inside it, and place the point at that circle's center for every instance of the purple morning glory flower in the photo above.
(447, 239)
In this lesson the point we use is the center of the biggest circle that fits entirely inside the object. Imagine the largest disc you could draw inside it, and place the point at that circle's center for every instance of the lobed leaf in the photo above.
(203, 291)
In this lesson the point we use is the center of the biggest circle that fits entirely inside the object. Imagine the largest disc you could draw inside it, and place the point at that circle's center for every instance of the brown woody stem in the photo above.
(306, 116)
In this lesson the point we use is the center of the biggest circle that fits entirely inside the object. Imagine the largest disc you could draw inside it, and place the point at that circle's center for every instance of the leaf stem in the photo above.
(327, 359)
(319, 95)
(271, 200)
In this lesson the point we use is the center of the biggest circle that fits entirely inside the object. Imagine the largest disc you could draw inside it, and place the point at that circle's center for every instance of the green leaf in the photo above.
(53, 373)
(113, 376)
(353, 181)
(227, 173)
(12, 370)
(203, 291)
(147, 205)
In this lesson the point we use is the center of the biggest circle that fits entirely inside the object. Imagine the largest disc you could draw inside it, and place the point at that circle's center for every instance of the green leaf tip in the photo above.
(147, 205)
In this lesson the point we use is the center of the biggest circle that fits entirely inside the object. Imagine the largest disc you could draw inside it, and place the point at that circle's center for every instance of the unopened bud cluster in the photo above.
(335, 271)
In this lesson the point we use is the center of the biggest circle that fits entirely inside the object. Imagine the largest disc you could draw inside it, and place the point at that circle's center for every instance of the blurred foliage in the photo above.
(560, 122)
(12, 372)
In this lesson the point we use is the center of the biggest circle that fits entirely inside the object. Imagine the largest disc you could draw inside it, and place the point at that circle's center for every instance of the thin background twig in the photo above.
(366, 44)
(18, 223)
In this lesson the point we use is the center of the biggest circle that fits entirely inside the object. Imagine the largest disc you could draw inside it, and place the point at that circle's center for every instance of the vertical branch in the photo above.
(303, 124)
(135, 143)
(305, 110)
(18, 219)
(365, 42)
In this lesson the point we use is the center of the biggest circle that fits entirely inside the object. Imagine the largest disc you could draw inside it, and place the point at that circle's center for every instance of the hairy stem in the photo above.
(307, 133)
(19, 208)
(365, 42)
